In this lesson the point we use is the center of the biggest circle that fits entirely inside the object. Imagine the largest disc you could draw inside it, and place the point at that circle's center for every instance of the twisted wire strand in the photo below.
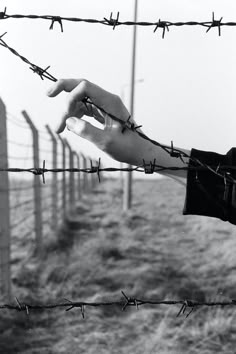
(156, 168)
(124, 303)
(115, 22)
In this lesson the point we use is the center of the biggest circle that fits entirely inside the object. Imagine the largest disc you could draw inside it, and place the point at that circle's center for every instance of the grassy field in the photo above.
(151, 252)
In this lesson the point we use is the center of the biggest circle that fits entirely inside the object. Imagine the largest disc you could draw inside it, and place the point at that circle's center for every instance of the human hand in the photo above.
(126, 147)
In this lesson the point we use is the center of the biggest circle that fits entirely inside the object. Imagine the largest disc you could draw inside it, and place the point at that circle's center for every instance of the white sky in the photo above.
(189, 88)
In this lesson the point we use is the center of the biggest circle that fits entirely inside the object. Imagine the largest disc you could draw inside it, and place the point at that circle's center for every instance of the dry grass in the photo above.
(152, 252)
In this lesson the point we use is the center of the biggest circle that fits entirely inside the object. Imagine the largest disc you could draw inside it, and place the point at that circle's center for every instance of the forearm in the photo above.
(144, 151)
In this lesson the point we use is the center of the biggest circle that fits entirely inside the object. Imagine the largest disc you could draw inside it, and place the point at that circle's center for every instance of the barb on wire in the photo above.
(56, 19)
(43, 73)
(96, 169)
(149, 168)
(125, 302)
(40, 171)
(215, 23)
(164, 25)
(3, 14)
(114, 22)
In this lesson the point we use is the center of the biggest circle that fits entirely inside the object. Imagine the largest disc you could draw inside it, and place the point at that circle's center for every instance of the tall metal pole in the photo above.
(127, 201)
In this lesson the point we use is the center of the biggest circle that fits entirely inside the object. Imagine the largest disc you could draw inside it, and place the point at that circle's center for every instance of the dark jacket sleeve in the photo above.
(208, 194)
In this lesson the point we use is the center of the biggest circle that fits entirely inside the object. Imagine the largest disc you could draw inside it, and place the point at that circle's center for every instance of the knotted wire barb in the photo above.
(173, 152)
(124, 303)
(115, 22)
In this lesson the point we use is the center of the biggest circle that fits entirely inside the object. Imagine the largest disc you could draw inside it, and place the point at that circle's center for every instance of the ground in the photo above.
(151, 252)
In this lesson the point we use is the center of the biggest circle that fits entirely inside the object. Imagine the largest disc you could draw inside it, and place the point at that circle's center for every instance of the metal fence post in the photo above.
(71, 179)
(5, 270)
(54, 179)
(94, 176)
(90, 163)
(37, 184)
(78, 177)
(85, 175)
(63, 144)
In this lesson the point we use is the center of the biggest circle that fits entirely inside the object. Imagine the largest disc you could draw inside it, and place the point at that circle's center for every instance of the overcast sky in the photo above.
(189, 88)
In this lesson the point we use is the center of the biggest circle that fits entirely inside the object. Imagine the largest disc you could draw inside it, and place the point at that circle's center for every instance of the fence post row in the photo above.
(5, 271)
(54, 179)
(37, 184)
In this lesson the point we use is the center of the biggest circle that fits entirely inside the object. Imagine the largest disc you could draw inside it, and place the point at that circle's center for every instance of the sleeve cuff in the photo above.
(206, 193)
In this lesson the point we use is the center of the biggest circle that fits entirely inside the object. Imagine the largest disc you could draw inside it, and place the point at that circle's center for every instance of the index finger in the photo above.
(63, 85)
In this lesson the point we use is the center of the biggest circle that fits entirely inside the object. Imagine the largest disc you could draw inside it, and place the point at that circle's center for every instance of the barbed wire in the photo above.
(115, 22)
(147, 168)
(123, 303)
(128, 124)
(43, 73)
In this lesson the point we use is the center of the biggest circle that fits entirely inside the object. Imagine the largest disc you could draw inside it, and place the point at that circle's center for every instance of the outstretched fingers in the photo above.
(79, 89)
(102, 101)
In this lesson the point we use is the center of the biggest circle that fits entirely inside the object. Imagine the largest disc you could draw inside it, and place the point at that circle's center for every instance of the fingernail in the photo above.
(70, 123)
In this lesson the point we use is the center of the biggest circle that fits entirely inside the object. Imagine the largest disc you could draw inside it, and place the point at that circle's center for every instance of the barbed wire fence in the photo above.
(29, 209)
(67, 162)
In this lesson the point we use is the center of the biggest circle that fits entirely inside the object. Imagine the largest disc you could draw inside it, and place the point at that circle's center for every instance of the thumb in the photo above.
(85, 130)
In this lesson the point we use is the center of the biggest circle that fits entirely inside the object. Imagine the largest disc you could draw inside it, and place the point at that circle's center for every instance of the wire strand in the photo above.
(115, 22)
(124, 303)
